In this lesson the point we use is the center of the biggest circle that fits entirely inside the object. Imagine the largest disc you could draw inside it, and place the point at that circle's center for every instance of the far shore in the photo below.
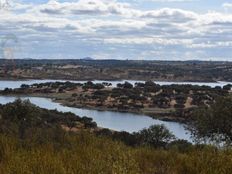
(112, 80)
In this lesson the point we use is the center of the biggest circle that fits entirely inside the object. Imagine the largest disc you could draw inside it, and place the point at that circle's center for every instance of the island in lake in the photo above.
(167, 102)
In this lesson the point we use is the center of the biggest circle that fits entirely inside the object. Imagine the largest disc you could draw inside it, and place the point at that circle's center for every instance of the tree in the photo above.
(21, 113)
(149, 83)
(214, 123)
(227, 87)
(24, 86)
(126, 85)
(155, 135)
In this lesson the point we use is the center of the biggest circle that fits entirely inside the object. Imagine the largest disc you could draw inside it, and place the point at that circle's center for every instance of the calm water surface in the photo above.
(113, 120)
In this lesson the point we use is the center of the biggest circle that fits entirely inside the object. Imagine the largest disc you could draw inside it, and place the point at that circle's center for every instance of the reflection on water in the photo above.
(113, 120)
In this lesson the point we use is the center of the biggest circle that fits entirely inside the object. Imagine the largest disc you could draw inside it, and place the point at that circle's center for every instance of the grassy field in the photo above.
(85, 153)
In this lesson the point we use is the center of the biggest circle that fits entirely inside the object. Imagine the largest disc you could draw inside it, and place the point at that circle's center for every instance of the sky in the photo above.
(116, 29)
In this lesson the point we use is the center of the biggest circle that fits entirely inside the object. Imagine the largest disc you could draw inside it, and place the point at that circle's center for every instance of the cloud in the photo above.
(227, 5)
(93, 27)
(165, 1)
(171, 0)
(148, 40)
(85, 7)
(170, 14)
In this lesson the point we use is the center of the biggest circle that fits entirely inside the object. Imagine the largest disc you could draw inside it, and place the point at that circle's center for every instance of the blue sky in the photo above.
(117, 29)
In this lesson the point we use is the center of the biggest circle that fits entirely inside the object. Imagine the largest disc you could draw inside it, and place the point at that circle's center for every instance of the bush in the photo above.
(156, 136)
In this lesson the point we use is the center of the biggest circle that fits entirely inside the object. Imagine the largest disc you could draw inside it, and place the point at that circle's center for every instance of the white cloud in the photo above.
(143, 40)
(85, 7)
(171, 0)
(227, 5)
(170, 14)
(84, 27)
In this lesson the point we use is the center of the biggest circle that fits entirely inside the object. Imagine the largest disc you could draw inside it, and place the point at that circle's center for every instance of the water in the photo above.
(16, 84)
(113, 120)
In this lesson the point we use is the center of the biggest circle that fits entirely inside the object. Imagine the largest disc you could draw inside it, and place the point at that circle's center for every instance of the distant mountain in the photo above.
(28, 58)
(87, 58)
(194, 60)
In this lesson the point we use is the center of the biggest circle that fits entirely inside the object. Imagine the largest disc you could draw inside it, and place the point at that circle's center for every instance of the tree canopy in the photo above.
(155, 135)
(215, 122)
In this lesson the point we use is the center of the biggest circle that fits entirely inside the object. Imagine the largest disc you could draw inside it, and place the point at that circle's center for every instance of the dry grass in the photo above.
(84, 153)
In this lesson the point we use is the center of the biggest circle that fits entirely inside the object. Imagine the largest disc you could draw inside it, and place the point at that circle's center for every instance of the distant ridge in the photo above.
(87, 58)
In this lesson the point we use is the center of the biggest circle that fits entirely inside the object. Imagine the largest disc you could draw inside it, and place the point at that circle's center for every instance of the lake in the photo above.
(16, 84)
(113, 120)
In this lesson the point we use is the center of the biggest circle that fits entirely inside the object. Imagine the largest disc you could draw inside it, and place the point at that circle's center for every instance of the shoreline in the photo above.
(114, 80)
(138, 112)
(178, 114)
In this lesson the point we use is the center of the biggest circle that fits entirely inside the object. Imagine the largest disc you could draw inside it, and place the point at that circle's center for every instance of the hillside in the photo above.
(83, 69)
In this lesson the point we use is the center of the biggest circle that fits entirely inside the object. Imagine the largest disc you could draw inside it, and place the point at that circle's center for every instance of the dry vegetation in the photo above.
(84, 153)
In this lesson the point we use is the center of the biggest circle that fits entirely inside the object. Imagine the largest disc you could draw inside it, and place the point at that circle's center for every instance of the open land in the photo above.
(197, 71)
